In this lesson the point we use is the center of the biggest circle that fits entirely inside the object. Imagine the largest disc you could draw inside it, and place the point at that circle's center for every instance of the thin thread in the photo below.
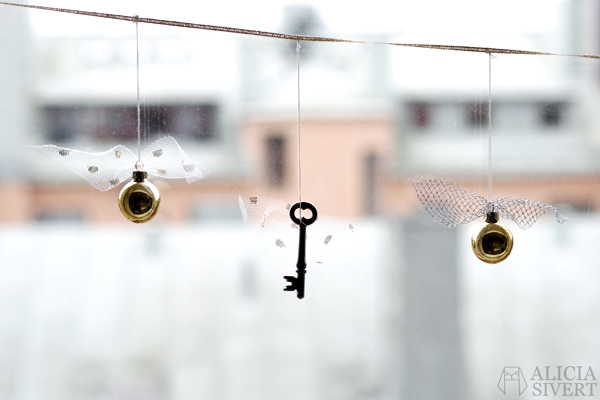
(137, 50)
(490, 128)
(299, 135)
(303, 38)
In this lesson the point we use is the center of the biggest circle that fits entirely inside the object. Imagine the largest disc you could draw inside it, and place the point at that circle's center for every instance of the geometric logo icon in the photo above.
(510, 374)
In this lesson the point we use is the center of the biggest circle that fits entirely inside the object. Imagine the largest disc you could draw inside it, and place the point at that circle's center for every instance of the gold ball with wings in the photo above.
(139, 200)
(452, 205)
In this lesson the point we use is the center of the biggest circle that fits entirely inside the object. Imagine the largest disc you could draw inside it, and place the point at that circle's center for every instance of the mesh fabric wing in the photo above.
(448, 203)
(524, 212)
(452, 205)
(105, 170)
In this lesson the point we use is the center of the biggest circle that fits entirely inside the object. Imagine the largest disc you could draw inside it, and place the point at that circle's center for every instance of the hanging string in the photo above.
(490, 127)
(251, 32)
(139, 124)
(299, 135)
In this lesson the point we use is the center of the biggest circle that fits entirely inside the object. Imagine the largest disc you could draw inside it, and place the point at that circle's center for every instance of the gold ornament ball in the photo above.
(492, 242)
(139, 199)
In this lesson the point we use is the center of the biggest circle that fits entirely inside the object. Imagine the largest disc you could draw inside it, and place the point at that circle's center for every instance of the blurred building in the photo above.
(232, 104)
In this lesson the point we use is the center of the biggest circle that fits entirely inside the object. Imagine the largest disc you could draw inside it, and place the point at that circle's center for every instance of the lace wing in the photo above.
(103, 170)
(165, 158)
(524, 212)
(448, 203)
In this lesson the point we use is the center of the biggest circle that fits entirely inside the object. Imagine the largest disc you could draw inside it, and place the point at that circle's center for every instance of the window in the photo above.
(371, 174)
(275, 160)
(64, 123)
(551, 114)
(477, 115)
(59, 124)
(197, 121)
(420, 115)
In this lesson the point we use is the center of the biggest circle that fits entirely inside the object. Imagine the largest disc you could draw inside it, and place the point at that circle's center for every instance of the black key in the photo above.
(297, 282)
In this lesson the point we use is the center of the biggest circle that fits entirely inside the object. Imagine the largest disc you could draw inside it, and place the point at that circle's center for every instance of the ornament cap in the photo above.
(139, 176)
(492, 217)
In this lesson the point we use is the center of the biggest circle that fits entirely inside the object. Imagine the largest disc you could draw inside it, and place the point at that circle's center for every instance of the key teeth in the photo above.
(292, 286)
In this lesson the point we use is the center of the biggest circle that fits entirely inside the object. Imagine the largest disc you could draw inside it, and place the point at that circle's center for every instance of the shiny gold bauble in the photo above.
(492, 242)
(139, 199)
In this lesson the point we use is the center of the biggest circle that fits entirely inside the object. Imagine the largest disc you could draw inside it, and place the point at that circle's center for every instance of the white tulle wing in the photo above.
(103, 170)
(165, 158)
(272, 218)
